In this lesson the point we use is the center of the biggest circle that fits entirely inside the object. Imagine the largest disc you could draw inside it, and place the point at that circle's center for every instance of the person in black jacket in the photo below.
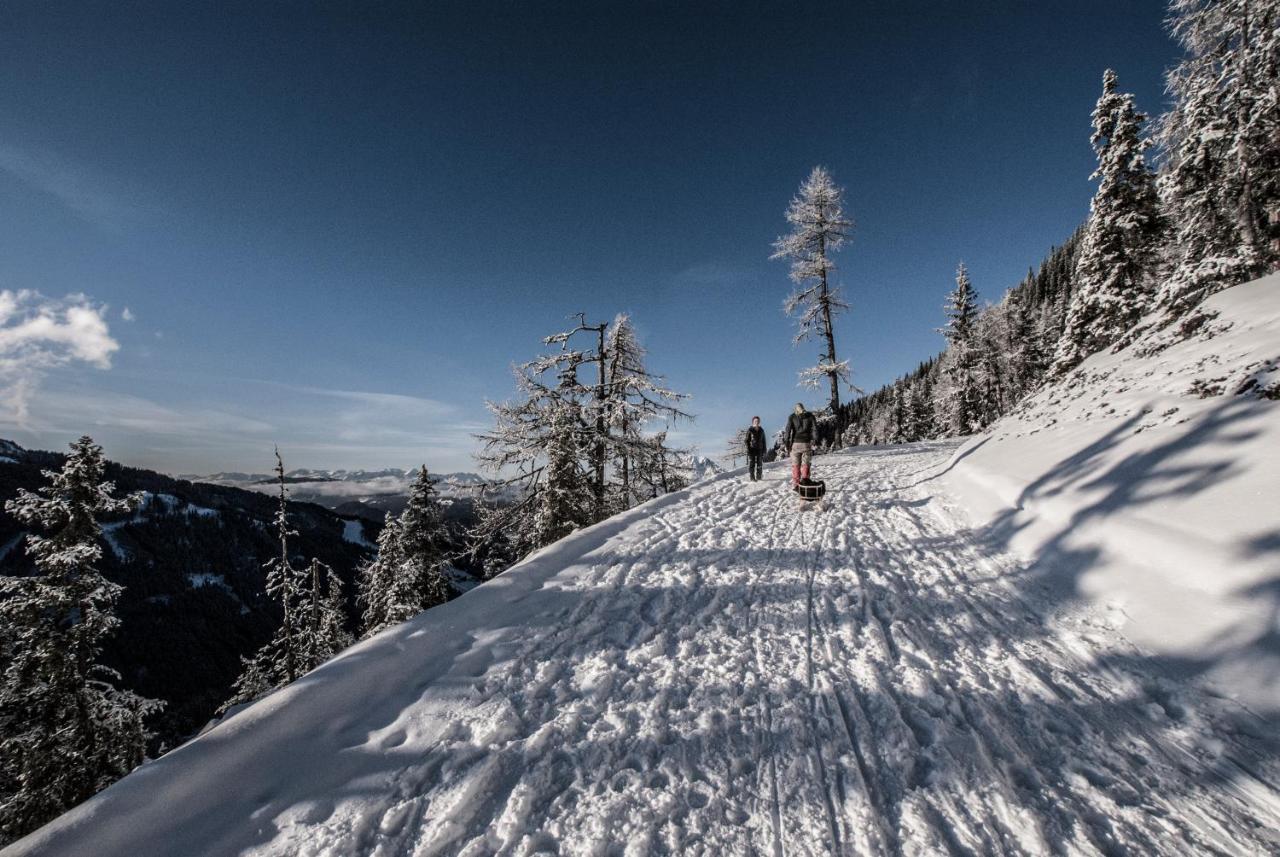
(802, 431)
(755, 450)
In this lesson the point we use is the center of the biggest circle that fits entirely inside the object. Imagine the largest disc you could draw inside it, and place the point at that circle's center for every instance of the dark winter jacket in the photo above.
(801, 428)
(755, 440)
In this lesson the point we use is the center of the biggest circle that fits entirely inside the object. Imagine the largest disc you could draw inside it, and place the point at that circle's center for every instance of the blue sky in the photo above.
(334, 226)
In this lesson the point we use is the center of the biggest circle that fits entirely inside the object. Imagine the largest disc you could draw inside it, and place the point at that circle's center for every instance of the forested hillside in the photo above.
(190, 561)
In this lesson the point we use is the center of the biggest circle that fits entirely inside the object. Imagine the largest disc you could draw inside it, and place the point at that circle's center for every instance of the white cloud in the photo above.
(38, 334)
(127, 314)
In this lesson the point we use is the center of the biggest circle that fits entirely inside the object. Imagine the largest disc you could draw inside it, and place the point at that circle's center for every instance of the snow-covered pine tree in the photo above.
(1026, 356)
(819, 228)
(375, 578)
(66, 729)
(991, 344)
(900, 431)
(325, 630)
(418, 581)
(921, 410)
(592, 428)
(634, 398)
(282, 658)
(960, 404)
(1220, 144)
(548, 424)
(1113, 269)
(559, 509)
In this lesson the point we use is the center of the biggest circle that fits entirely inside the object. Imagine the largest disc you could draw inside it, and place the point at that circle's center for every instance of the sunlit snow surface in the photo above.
(723, 672)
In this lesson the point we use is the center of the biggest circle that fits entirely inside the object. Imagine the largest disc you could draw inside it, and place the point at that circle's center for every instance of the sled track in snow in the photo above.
(731, 675)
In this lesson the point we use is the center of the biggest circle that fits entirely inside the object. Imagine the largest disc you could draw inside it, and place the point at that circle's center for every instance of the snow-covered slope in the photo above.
(1148, 484)
(722, 672)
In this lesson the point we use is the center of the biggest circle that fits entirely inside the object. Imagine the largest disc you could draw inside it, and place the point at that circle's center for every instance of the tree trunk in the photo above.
(830, 335)
(626, 469)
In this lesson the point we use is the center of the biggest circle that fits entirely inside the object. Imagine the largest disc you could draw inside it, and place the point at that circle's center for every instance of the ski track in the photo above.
(739, 675)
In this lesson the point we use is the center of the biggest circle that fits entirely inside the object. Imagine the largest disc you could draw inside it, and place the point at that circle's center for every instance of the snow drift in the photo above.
(1149, 484)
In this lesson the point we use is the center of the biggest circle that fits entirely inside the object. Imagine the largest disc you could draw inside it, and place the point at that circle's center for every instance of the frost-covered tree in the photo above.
(819, 228)
(991, 342)
(1220, 142)
(66, 729)
(283, 658)
(376, 576)
(419, 582)
(1112, 278)
(736, 448)
(325, 631)
(1027, 359)
(658, 468)
(634, 399)
(960, 403)
(559, 508)
(574, 441)
(543, 440)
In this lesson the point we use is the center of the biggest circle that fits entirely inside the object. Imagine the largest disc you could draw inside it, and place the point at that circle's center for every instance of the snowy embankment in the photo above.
(720, 672)
(1148, 485)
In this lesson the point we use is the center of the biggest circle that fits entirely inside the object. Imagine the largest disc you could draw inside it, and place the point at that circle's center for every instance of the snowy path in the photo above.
(742, 677)
(728, 674)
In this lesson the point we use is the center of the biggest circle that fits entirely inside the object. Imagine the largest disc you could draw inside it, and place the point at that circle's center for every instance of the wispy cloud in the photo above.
(231, 424)
(127, 314)
(81, 189)
(38, 334)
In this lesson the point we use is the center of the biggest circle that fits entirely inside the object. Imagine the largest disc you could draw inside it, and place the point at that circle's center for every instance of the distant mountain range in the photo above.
(370, 494)
(701, 467)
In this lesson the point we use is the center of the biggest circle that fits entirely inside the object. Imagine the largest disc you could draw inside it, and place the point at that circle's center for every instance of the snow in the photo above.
(1058, 637)
(1130, 491)
(109, 532)
(200, 580)
(353, 532)
(719, 671)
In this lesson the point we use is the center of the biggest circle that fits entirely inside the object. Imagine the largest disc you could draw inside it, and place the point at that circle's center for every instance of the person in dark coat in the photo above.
(802, 431)
(755, 450)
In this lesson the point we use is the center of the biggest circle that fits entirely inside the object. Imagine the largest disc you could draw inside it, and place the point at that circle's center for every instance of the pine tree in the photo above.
(577, 447)
(961, 403)
(991, 345)
(548, 439)
(1112, 275)
(325, 630)
(418, 581)
(1220, 141)
(283, 658)
(1027, 358)
(559, 506)
(634, 398)
(819, 229)
(68, 730)
(376, 576)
